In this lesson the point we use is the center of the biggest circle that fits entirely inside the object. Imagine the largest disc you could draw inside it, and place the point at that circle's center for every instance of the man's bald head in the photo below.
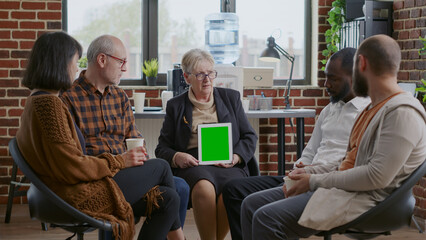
(383, 54)
(102, 44)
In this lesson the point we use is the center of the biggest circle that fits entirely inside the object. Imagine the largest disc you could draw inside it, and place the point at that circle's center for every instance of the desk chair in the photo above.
(394, 212)
(48, 207)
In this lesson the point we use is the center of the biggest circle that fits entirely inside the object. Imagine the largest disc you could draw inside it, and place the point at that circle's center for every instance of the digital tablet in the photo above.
(215, 143)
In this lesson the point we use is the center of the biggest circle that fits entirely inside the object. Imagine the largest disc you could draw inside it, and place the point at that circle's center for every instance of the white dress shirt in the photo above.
(330, 138)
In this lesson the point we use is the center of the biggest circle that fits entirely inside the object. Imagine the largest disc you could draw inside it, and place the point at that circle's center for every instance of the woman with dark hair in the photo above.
(49, 63)
(54, 147)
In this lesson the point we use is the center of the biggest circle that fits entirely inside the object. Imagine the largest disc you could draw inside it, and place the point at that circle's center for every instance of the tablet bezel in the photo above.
(230, 145)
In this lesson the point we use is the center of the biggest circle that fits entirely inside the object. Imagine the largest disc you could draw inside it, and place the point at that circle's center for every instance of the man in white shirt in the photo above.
(332, 129)
(328, 142)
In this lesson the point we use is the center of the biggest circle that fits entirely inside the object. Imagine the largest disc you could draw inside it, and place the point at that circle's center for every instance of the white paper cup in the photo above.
(139, 99)
(246, 104)
(289, 182)
(134, 142)
(166, 96)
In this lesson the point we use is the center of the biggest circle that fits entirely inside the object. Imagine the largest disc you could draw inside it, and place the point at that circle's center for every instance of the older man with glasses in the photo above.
(103, 111)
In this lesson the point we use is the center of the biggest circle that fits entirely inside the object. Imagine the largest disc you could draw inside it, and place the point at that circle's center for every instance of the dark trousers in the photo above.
(236, 190)
(136, 181)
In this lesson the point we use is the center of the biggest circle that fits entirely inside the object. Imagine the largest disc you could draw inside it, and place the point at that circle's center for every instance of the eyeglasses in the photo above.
(201, 76)
(120, 60)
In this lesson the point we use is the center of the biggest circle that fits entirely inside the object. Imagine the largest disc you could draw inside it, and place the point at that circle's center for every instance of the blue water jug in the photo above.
(222, 37)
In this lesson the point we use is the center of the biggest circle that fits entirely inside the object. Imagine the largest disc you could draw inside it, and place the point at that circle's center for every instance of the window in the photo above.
(282, 19)
(86, 20)
(181, 28)
(166, 29)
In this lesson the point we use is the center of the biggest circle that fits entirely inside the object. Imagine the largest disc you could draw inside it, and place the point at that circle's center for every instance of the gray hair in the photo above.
(102, 44)
(193, 57)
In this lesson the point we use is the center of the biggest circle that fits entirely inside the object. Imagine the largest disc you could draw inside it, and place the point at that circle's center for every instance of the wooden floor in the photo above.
(22, 227)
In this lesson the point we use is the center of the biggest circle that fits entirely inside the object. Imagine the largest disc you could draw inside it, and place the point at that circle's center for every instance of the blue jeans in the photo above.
(182, 189)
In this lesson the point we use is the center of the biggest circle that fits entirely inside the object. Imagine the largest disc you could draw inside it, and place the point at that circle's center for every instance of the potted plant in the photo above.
(82, 63)
(421, 88)
(150, 69)
(336, 18)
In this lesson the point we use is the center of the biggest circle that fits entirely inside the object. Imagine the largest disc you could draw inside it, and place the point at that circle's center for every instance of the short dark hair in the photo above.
(346, 57)
(48, 63)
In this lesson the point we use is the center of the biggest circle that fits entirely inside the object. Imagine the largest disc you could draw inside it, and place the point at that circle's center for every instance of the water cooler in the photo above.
(221, 37)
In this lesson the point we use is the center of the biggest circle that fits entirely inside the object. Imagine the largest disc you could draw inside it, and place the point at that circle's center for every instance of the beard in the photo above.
(359, 85)
(342, 94)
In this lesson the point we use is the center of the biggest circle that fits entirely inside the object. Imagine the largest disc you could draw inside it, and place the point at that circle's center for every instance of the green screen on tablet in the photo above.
(215, 143)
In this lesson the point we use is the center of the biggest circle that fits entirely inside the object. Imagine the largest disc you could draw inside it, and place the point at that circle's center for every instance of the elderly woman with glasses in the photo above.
(178, 142)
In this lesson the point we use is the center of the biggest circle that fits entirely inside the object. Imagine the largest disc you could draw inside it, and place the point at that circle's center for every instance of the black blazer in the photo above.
(176, 130)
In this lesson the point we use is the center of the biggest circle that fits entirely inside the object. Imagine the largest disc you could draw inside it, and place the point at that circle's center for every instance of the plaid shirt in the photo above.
(105, 120)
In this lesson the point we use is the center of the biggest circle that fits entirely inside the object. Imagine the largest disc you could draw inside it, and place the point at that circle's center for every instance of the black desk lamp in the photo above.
(270, 54)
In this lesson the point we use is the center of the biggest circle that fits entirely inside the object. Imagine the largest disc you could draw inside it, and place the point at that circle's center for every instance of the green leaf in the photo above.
(325, 52)
(422, 51)
(337, 10)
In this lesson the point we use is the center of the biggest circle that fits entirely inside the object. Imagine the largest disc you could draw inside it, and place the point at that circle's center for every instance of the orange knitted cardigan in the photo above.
(49, 142)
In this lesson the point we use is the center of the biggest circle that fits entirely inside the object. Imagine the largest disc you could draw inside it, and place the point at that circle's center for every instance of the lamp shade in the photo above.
(270, 55)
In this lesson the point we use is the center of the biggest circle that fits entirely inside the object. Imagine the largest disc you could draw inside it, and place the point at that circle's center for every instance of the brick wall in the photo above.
(22, 21)
(409, 24)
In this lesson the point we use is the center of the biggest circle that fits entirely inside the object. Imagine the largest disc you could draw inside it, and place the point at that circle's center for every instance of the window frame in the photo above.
(149, 39)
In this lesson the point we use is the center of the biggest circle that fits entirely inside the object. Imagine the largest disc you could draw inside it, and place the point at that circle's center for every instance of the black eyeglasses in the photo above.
(201, 76)
(120, 60)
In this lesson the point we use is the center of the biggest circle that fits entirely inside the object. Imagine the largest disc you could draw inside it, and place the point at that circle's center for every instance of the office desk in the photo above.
(279, 114)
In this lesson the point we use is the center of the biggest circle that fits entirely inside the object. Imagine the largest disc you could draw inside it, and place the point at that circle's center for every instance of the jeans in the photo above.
(182, 189)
